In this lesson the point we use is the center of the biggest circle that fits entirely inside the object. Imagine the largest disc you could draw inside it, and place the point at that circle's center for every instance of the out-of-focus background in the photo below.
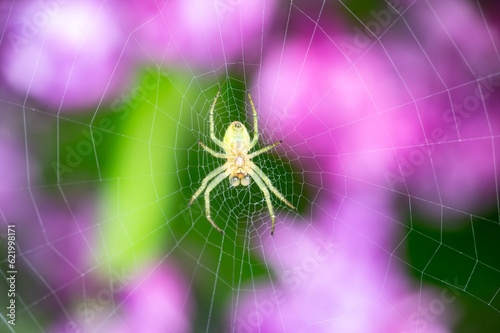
(389, 112)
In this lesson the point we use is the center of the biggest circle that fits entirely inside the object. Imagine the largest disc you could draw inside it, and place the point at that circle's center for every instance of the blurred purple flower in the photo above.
(64, 54)
(456, 37)
(339, 114)
(199, 33)
(448, 74)
(347, 283)
(453, 178)
(59, 244)
(13, 184)
(382, 118)
(156, 301)
(159, 301)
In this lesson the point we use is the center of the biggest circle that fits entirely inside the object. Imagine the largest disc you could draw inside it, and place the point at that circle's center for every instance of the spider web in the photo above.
(388, 112)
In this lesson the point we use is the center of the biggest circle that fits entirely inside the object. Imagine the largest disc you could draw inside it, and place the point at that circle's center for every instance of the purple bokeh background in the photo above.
(370, 118)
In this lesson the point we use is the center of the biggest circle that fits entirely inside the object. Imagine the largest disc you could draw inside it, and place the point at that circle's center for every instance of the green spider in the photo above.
(239, 168)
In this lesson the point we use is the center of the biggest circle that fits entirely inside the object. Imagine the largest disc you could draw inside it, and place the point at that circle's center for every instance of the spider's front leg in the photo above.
(212, 152)
(263, 150)
(255, 138)
(212, 125)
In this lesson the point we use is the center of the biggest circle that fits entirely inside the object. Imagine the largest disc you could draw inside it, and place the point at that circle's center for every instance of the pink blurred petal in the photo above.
(199, 33)
(67, 55)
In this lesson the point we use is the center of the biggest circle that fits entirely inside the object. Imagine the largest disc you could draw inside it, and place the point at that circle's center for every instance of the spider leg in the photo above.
(212, 125)
(255, 124)
(267, 196)
(213, 152)
(263, 150)
(269, 184)
(210, 187)
(205, 181)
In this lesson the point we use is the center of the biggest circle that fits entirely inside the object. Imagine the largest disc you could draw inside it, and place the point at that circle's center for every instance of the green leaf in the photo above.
(142, 173)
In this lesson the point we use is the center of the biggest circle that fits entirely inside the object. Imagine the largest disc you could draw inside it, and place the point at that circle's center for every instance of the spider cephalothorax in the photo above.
(239, 168)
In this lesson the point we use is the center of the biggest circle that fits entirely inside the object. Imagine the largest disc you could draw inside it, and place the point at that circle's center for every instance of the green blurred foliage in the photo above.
(137, 201)
(464, 260)
(361, 10)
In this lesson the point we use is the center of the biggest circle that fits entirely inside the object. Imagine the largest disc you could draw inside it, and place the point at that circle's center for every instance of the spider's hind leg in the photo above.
(256, 178)
(210, 187)
(205, 181)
